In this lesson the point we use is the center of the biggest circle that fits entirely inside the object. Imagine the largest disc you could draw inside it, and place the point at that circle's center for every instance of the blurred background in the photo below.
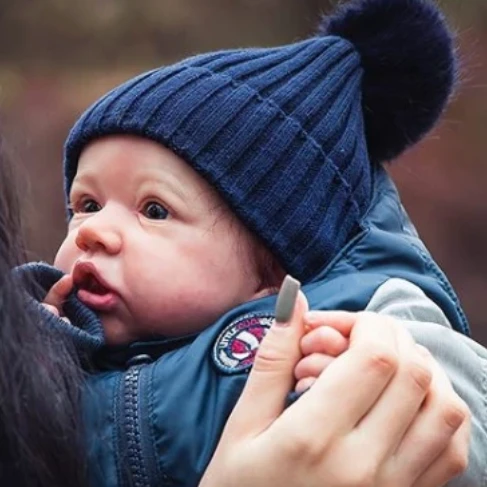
(57, 56)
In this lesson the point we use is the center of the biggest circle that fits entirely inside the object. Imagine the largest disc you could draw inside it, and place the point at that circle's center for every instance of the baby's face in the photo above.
(151, 246)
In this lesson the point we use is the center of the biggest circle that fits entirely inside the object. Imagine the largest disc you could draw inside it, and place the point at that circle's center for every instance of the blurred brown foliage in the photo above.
(58, 56)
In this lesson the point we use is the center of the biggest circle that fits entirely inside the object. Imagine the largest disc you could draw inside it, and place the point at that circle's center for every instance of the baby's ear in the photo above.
(271, 273)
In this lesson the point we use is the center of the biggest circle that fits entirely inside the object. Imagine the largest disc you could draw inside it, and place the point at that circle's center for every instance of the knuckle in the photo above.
(274, 356)
(457, 461)
(380, 358)
(455, 413)
(420, 373)
(302, 447)
(267, 360)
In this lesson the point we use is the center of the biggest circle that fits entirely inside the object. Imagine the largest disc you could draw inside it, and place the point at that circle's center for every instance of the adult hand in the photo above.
(381, 414)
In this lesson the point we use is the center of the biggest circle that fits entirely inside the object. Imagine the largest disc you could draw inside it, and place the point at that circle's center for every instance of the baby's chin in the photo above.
(122, 327)
(118, 333)
(117, 337)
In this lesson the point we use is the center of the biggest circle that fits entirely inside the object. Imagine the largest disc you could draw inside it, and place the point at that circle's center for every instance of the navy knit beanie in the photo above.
(288, 135)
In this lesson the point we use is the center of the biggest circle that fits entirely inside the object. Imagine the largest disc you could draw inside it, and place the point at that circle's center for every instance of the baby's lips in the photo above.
(86, 276)
(98, 302)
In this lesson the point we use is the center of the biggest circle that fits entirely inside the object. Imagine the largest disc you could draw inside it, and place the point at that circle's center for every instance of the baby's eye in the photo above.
(154, 211)
(87, 206)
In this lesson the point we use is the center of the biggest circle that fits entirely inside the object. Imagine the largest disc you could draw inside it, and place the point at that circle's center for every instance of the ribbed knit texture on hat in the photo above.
(278, 132)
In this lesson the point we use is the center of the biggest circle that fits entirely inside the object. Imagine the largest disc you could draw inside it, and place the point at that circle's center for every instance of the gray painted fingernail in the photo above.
(286, 299)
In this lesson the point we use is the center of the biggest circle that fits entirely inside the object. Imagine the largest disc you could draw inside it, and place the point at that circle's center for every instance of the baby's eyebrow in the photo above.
(173, 186)
(84, 177)
(167, 184)
(82, 181)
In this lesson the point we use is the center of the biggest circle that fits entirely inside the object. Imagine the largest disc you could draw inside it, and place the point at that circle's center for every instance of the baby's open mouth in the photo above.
(90, 283)
(92, 291)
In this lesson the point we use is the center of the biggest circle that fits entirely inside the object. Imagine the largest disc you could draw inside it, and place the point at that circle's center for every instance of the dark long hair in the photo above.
(40, 427)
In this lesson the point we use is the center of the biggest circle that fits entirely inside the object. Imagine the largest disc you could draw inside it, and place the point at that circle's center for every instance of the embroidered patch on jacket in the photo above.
(235, 348)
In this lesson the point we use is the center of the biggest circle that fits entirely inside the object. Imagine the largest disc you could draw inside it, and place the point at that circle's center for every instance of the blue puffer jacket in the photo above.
(154, 411)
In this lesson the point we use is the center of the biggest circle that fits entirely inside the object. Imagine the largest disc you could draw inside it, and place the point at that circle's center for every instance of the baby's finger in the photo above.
(304, 384)
(59, 292)
(312, 365)
(51, 309)
(324, 339)
(341, 321)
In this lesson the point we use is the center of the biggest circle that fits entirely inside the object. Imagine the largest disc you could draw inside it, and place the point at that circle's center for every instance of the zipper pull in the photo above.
(140, 359)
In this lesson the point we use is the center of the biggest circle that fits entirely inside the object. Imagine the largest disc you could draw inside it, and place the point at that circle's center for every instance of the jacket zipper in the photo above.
(138, 466)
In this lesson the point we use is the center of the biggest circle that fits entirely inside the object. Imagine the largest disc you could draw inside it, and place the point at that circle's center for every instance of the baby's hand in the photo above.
(321, 344)
(57, 295)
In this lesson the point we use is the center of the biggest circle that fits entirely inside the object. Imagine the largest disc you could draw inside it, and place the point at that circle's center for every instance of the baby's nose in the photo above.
(100, 232)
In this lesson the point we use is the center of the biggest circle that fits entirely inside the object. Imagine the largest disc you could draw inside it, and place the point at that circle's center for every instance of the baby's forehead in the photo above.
(136, 162)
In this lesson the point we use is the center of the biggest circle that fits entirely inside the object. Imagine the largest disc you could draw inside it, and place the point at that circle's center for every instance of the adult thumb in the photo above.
(272, 376)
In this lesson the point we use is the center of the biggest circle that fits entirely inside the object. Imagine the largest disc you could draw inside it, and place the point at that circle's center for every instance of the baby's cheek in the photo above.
(66, 255)
(170, 308)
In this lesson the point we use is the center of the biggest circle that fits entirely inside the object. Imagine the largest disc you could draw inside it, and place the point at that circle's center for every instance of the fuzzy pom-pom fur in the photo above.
(409, 66)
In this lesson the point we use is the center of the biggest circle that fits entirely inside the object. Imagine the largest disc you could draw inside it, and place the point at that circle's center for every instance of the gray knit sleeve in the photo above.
(464, 360)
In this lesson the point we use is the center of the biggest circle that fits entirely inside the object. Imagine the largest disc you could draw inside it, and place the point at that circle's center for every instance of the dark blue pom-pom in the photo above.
(409, 65)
